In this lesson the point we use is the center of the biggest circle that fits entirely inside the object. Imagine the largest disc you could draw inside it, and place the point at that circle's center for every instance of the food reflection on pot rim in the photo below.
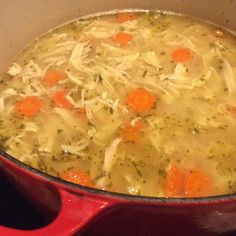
(140, 103)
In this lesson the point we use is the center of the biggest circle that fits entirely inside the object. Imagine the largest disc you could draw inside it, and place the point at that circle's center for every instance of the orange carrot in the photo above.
(28, 106)
(52, 77)
(122, 38)
(231, 108)
(123, 17)
(197, 184)
(181, 55)
(141, 100)
(174, 182)
(189, 183)
(131, 133)
(77, 177)
(59, 98)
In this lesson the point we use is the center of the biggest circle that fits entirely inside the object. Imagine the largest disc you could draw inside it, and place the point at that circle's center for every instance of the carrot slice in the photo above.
(141, 100)
(181, 55)
(59, 98)
(123, 17)
(52, 77)
(174, 182)
(197, 184)
(122, 38)
(77, 177)
(29, 106)
(231, 108)
(131, 133)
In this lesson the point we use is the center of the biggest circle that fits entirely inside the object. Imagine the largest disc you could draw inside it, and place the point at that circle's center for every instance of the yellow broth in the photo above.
(177, 141)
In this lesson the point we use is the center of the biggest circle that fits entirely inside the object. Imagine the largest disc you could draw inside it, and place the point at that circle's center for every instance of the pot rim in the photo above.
(127, 197)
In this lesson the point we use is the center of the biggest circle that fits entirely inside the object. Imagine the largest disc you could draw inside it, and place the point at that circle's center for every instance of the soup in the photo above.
(141, 103)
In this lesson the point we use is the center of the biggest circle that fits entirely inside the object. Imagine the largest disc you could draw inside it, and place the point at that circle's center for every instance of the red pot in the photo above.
(72, 208)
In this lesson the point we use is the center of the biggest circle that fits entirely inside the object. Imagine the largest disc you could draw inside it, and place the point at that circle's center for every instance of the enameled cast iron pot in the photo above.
(70, 208)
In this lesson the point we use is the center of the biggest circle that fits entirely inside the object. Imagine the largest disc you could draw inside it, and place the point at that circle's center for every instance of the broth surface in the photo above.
(140, 103)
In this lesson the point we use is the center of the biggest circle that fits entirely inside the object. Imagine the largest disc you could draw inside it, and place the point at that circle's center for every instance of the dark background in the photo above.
(15, 211)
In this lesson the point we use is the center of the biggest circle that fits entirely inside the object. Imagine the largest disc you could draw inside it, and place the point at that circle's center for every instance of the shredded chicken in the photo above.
(110, 155)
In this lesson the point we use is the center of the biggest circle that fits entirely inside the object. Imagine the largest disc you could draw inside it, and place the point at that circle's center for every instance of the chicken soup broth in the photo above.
(142, 103)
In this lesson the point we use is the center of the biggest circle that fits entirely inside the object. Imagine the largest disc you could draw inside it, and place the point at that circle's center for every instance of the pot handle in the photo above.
(75, 213)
